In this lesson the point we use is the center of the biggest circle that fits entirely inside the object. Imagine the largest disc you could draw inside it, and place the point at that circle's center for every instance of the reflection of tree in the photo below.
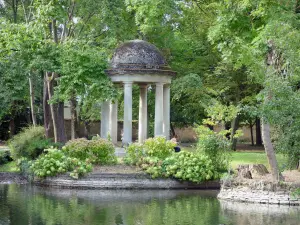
(26, 205)
(4, 210)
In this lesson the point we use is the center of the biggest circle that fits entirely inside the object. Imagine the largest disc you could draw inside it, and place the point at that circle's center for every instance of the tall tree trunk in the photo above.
(61, 134)
(15, 10)
(86, 129)
(31, 89)
(251, 132)
(46, 109)
(272, 61)
(234, 128)
(12, 127)
(269, 149)
(50, 80)
(58, 114)
(258, 132)
(73, 117)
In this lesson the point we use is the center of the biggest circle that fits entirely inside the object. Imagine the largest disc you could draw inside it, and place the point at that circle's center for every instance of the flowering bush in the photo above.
(55, 161)
(97, 150)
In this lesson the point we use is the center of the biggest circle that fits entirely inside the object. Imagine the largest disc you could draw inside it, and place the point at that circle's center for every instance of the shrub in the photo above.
(152, 166)
(134, 153)
(158, 147)
(55, 161)
(24, 165)
(183, 166)
(97, 150)
(191, 166)
(5, 156)
(29, 143)
(215, 146)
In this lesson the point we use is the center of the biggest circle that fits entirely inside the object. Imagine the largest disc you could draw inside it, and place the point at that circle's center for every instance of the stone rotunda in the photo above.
(138, 62)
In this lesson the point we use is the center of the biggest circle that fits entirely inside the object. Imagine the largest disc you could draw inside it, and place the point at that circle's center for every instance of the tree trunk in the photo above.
(52, 106)
(86, 129)
(31, 88)
(235, 127)
(172, 130)
(251, 132)
(258, 132)
(269, 149)
(15, 10)
(47, 110)
(12, 127)
(61, 134)
(73, 118)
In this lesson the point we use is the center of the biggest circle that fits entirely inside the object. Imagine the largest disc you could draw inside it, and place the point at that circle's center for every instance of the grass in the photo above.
(249, 157)
(9, 167)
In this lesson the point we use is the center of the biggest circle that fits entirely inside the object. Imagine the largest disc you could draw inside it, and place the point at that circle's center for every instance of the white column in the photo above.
(159, 110)
(127, 124)
(104, 119)
(113, 122)
(166, 126)
(143, 114)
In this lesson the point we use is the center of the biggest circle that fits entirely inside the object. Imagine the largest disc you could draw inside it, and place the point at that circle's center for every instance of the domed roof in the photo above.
(137, 54)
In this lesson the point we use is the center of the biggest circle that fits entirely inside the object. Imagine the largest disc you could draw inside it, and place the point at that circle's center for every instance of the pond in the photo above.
(26, 204)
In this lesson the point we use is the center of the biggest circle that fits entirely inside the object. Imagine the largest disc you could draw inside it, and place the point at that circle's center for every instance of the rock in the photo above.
(244, 171)
(258, 170)
(250, 171)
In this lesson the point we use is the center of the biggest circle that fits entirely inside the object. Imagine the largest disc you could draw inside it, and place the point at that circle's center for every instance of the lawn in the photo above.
(248, 157)
(253, 155)
(9, 167)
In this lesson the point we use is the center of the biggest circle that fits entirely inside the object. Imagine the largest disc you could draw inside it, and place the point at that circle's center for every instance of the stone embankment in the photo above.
(122, 181)
(254, 191)
(8, 178)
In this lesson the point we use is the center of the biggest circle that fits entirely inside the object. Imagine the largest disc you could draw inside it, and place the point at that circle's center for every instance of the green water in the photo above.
(25, 204)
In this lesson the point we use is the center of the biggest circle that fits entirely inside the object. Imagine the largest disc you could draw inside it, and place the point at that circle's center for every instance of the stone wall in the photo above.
(8, 178)
(185, 134)
(122, 181)
(259, 192)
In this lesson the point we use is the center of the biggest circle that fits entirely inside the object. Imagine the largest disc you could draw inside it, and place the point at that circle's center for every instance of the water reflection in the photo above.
(254, 214)
(24, 204)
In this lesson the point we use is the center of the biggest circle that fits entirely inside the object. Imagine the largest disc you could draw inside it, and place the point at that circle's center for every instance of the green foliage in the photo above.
(9, 167)
(4, 156)
(220, 114)
(194, 97)
(192, 167)
(134, 153)
(215, 146)
(98, 150)
(184, 165)
(29, 143)
(24, 165)
(296, 193)
(281, 109)
(56, 161)
(158, 147)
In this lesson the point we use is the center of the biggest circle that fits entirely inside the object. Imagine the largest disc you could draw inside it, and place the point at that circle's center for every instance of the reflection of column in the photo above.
(167, 111)
(143, 113)
(113, 122)
(159, 110)
(127, 124)
(104, 119)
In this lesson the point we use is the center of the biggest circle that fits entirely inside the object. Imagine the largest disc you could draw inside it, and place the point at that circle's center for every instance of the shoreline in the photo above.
(233, 190)
(259, 191)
